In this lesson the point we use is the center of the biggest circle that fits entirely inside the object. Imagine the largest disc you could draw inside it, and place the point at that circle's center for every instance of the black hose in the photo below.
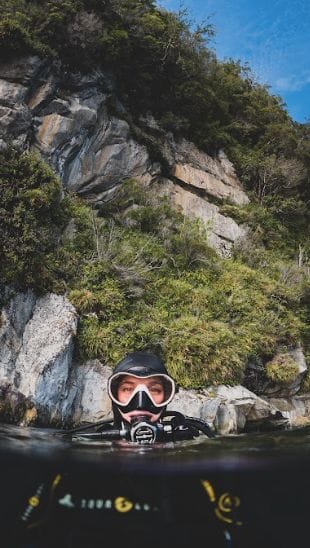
(86, 427)
(105, 435)
(180, 419)
(200, 425)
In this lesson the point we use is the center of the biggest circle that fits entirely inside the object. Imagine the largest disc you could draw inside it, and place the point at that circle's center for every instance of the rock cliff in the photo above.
(66, 117)
(69, 120)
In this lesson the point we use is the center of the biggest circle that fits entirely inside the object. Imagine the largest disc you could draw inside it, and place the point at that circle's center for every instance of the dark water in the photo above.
(245, 491)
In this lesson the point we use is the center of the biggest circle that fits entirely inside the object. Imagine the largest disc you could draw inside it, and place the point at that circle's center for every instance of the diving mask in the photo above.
(151, 392)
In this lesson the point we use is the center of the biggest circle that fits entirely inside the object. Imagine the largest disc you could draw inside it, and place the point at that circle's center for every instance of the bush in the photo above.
(206, 317)
(143, 277)
(33, 216)
(164, 67)
(282, 369)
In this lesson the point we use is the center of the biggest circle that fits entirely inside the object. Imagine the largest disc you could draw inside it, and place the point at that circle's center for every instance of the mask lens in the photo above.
(123, 387)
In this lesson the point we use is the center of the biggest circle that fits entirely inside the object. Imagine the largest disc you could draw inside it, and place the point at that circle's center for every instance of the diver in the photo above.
(79, 502)
(140, 389)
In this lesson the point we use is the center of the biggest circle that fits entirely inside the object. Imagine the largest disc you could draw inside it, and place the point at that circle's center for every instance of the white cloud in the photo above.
(291, 83)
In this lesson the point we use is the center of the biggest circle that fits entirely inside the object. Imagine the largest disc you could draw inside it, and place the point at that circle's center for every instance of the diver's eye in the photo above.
(126, 389)
(156, 390)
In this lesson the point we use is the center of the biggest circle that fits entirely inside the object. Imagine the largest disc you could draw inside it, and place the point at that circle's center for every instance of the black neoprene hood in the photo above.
(141, 364)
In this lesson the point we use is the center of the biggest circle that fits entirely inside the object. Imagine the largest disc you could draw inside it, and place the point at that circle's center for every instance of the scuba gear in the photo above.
(140, 389)
(150, 396)
(151, 392)
(141, 364)
(173, 426)
(143, 431)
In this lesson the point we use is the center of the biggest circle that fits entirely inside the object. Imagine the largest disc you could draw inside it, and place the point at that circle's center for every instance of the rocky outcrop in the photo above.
(274, 389)
(14, 318)
(16, 78)
(295, 409)
(92, 151)
(40, 383)
(87, 399)
(229, 409)
(208, 184)
(66, 117)
(36, 352)
(257, 379)
(223, 232)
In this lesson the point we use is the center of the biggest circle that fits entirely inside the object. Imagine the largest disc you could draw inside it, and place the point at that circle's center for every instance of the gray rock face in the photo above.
(87, 399)
(22, 70)
(223, 232)
(91, 150)
(15, 116)
(66, 118)
(209, 183)
(14, 318)
(36, 350)
(228, 409)
(220, 168)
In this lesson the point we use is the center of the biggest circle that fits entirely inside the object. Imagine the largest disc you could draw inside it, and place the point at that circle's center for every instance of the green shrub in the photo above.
(206, 317)
(281, 369)
(33, 216)
(143, 277)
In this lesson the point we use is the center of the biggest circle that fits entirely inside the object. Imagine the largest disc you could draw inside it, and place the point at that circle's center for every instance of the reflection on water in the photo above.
(242, 450)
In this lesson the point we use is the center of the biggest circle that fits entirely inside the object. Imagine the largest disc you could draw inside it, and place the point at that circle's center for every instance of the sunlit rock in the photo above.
(36, 351)
(208, 184)
(223, 232)
(87, 399)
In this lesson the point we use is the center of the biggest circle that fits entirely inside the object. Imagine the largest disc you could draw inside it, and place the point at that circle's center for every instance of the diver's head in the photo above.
(140, 386)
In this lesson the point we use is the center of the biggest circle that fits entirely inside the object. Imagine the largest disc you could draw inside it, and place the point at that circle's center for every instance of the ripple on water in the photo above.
(241, 451)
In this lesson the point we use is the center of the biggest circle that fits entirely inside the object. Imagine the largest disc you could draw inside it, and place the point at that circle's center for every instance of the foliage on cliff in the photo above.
(148, 278)
(161, 66)
(45, 237)
(33, 216)
(155, 283)
(142, 276)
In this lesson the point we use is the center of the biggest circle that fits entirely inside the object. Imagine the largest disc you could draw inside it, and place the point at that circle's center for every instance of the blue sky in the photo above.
(272, 36)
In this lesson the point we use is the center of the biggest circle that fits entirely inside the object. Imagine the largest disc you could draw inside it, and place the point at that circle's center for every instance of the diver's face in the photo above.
(153, 385)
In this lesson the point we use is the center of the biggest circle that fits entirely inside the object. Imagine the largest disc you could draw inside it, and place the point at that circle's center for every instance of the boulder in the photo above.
(240, 409)
(87, 399)
(228, 409)
(223, 232)
(295, 409)
(36, 351)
